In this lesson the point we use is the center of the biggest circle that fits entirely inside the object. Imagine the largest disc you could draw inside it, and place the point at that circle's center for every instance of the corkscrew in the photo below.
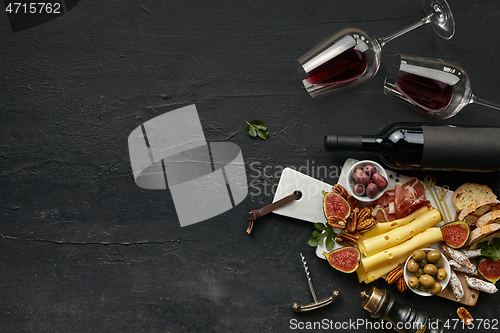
(316, 304)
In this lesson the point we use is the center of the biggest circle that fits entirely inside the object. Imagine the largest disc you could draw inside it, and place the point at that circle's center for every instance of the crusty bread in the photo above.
(478, 208)
(468, 193)
(488, 218)
(480, 234)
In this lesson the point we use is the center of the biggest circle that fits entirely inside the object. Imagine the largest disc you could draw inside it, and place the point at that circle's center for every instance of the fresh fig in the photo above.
(335, 205)
(455, 234)
(345, 259)
(489, 269)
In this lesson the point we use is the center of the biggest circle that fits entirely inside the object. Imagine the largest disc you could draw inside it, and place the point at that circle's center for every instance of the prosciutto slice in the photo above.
(401, 201)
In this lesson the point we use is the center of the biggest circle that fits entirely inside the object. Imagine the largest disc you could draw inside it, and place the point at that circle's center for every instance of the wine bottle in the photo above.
(407, 146)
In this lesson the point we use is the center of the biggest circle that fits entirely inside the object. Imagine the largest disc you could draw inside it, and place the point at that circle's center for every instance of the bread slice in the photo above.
(471, 213)
(468, 193)
(485, 233)
(488, 218)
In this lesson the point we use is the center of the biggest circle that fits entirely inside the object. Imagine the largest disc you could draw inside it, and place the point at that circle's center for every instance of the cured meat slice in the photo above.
(400, 202)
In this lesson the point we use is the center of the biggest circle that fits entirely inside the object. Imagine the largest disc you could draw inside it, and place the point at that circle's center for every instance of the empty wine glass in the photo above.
(352, 56)
(436, 88)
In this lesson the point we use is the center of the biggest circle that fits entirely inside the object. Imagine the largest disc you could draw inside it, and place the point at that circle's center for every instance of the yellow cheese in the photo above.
(361, 274)
(378, 273)
(398, 235)
(398, 252)
(383, 227)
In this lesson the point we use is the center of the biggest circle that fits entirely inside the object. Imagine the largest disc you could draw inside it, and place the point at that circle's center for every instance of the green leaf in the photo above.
(263, 134)
(316, 234)
(491, 250)
(257, 127)
(312, 242)
(258, 124)
(324, 231)
(329, 243)
(320, 226)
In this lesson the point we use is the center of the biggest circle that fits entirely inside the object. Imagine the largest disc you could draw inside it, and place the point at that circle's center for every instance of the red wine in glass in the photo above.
(352, 56)
(342, 69)
(433, 87)
(428, 93)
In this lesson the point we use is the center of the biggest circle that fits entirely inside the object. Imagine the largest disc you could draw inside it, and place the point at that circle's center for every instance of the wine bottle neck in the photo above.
(339, 142)
(371, 143)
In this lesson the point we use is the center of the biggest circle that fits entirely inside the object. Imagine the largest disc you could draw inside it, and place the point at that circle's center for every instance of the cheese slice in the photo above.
(400, 252)
(378, 273)
(383, 227)
(398, 235)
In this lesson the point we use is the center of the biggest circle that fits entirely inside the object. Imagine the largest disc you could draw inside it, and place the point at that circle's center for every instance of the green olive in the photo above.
(436, 288)
(433, 256)
(430, 269)
(426, 280)
(418, 255)
(439, 263)
(418, 273)
(441, 274)
(412, 266)
(423, 263)
(413, 282)
(421, 287)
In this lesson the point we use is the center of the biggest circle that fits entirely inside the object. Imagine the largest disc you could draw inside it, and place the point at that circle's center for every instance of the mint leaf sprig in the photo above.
(324, 231)
(491, 250)
(257, 127)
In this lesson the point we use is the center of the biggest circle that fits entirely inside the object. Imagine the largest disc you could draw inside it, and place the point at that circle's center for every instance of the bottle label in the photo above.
(461, 148)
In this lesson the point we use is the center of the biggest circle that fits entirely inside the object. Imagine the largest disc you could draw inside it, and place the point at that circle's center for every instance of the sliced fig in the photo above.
(489, 269)
(335, 205)
(345, 259)
(455, 234)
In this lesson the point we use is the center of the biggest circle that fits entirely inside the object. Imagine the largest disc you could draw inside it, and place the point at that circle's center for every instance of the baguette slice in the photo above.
(477, 209)
(468, 193)
(488, 218)
(485, 233)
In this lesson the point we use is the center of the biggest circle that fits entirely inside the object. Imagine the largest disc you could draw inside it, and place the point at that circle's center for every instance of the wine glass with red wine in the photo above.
(352, 56)
(436, 88)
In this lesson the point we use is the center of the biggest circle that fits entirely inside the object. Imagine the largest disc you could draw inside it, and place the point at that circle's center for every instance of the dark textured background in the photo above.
(83, 249)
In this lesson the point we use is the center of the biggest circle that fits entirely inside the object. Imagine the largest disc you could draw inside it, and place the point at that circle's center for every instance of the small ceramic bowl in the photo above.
(351, 182)
(444, 283)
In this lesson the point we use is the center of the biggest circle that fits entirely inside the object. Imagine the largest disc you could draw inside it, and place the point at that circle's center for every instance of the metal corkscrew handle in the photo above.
(316, 304)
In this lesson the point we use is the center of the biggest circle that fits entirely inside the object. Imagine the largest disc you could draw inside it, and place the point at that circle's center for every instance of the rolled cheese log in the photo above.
(400, 252)
(383, 227)
(393, 237)
(378, 273)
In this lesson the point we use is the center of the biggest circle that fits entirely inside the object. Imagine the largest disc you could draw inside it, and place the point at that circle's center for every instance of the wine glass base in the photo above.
(441, 17)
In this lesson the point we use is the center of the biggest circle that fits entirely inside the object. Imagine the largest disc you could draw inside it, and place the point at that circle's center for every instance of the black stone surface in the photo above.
(83, 249)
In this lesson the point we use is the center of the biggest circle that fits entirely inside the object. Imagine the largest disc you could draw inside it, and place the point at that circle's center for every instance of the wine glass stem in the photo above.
(386, 39)
(481, 101)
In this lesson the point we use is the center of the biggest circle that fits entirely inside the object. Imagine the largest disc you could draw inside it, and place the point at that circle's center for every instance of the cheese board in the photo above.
(309, 207)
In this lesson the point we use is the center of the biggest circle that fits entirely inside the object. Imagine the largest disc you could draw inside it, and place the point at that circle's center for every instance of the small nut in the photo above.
(401, 284)
(340, 190)
(354, 203)
(366, 224)
(355, 235)
(337, 222)
(345, 240)
(364, 213)
(394, 275)
(353, 222)
(464, 315)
